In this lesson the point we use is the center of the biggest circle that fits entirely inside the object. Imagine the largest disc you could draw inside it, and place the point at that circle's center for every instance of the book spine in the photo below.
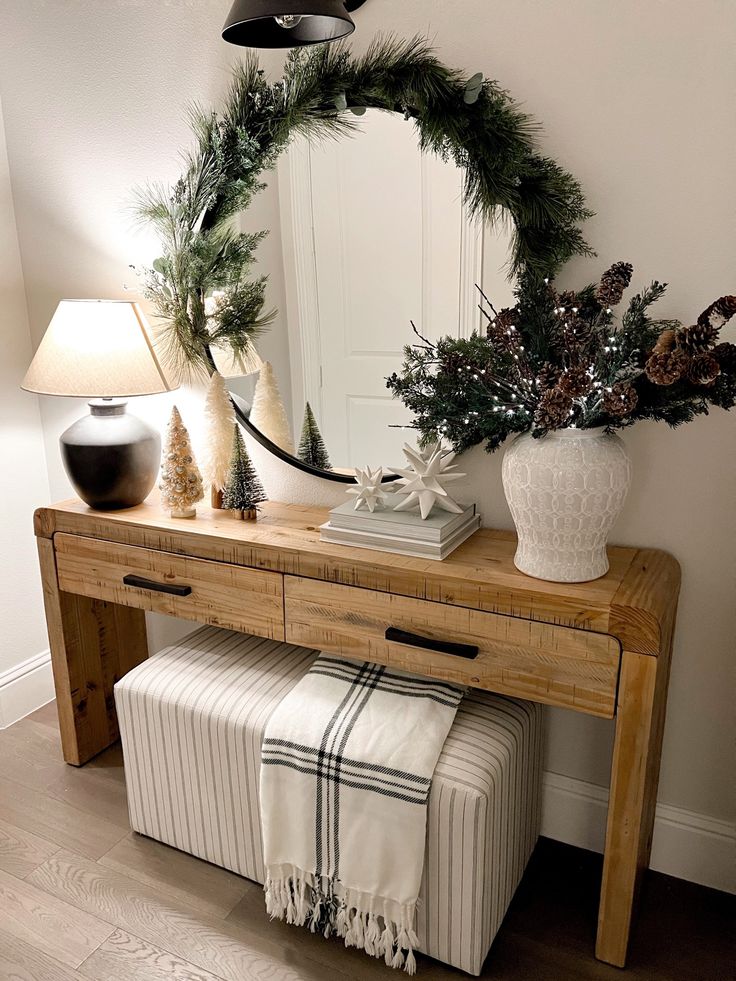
(397, 550)
(402, 530)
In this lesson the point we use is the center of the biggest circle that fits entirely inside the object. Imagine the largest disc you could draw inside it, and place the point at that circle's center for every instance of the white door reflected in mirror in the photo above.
(375, 235)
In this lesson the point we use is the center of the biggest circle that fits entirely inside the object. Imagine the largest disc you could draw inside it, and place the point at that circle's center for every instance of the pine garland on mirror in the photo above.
(473, 122)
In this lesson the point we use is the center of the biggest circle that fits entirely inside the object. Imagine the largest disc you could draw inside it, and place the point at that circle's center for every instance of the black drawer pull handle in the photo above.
(159, 587)
(468, 651)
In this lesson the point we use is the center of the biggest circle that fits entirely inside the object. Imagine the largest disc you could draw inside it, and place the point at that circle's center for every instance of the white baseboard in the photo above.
(686, 844)
(25, 687)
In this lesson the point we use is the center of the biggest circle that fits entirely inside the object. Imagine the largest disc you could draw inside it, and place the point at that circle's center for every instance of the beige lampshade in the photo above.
(96, 349)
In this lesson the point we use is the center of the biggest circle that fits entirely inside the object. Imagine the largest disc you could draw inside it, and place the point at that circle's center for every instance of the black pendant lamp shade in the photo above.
(288, 23)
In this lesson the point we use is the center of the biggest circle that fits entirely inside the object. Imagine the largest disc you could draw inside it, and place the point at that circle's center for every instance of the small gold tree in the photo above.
(181, 481)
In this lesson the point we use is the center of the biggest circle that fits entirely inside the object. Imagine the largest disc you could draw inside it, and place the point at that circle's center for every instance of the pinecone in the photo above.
(719, 312)
(547, 376)
(667, 368)
(703, 370)
(575, 381)
(553, 409)
(621, 400)
(665, 341)
(725, 355)
(577, 332)
(613, 283)
(568, 299)
(504, 319)
(698, 338)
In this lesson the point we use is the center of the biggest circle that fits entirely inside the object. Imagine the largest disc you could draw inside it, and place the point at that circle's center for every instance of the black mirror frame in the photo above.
(275, 450)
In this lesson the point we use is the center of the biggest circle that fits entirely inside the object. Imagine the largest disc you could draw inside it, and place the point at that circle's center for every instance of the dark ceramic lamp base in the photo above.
(112, 458)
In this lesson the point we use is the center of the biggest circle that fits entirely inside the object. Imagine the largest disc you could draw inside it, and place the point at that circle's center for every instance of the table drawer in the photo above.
(526, 658)
(196, 589)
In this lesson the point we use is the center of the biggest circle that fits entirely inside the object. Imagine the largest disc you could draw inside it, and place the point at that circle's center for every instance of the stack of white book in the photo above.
(403, 532)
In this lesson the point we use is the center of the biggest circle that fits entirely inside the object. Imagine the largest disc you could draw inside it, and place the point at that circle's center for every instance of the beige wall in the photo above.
(23, 480)
(635, 99)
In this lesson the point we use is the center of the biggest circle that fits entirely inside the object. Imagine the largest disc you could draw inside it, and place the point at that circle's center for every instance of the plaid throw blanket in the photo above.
(348, 758)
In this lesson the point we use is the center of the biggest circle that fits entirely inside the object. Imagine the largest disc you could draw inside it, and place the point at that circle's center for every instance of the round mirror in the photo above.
(367, 235)
(373, 236)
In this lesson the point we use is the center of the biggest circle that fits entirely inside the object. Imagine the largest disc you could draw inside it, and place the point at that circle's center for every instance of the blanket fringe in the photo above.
(387, 942)
(301, 901)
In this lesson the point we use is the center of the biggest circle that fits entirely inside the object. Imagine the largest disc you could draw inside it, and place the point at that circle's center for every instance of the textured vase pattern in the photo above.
(565, 492)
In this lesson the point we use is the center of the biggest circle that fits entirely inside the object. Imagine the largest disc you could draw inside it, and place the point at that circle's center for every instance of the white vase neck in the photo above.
(572, 433)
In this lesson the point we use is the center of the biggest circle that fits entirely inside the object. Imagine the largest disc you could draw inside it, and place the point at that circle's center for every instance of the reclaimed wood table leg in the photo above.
(635, 773)
(93, 644)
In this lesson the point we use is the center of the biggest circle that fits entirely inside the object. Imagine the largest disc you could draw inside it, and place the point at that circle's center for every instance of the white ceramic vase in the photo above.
(565, 491)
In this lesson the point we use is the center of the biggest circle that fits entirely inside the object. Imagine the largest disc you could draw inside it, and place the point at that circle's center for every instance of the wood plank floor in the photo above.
(84, 899)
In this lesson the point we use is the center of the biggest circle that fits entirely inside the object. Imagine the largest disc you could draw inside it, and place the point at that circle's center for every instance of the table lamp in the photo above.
(101, 350)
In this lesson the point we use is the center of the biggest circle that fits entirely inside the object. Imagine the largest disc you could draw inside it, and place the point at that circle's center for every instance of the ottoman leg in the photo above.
(634, 778)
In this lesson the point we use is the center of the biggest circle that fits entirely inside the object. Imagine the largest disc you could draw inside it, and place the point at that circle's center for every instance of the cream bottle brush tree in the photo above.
(220, 416)
(181, 482)
(268, 414)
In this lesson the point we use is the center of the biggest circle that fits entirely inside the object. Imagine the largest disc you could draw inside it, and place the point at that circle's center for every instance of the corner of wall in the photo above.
(25, 671)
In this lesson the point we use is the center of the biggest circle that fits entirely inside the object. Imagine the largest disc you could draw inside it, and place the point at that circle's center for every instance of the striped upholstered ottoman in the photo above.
(192, 720)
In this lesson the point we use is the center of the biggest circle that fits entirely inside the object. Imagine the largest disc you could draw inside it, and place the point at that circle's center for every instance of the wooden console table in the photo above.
(602, 647)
